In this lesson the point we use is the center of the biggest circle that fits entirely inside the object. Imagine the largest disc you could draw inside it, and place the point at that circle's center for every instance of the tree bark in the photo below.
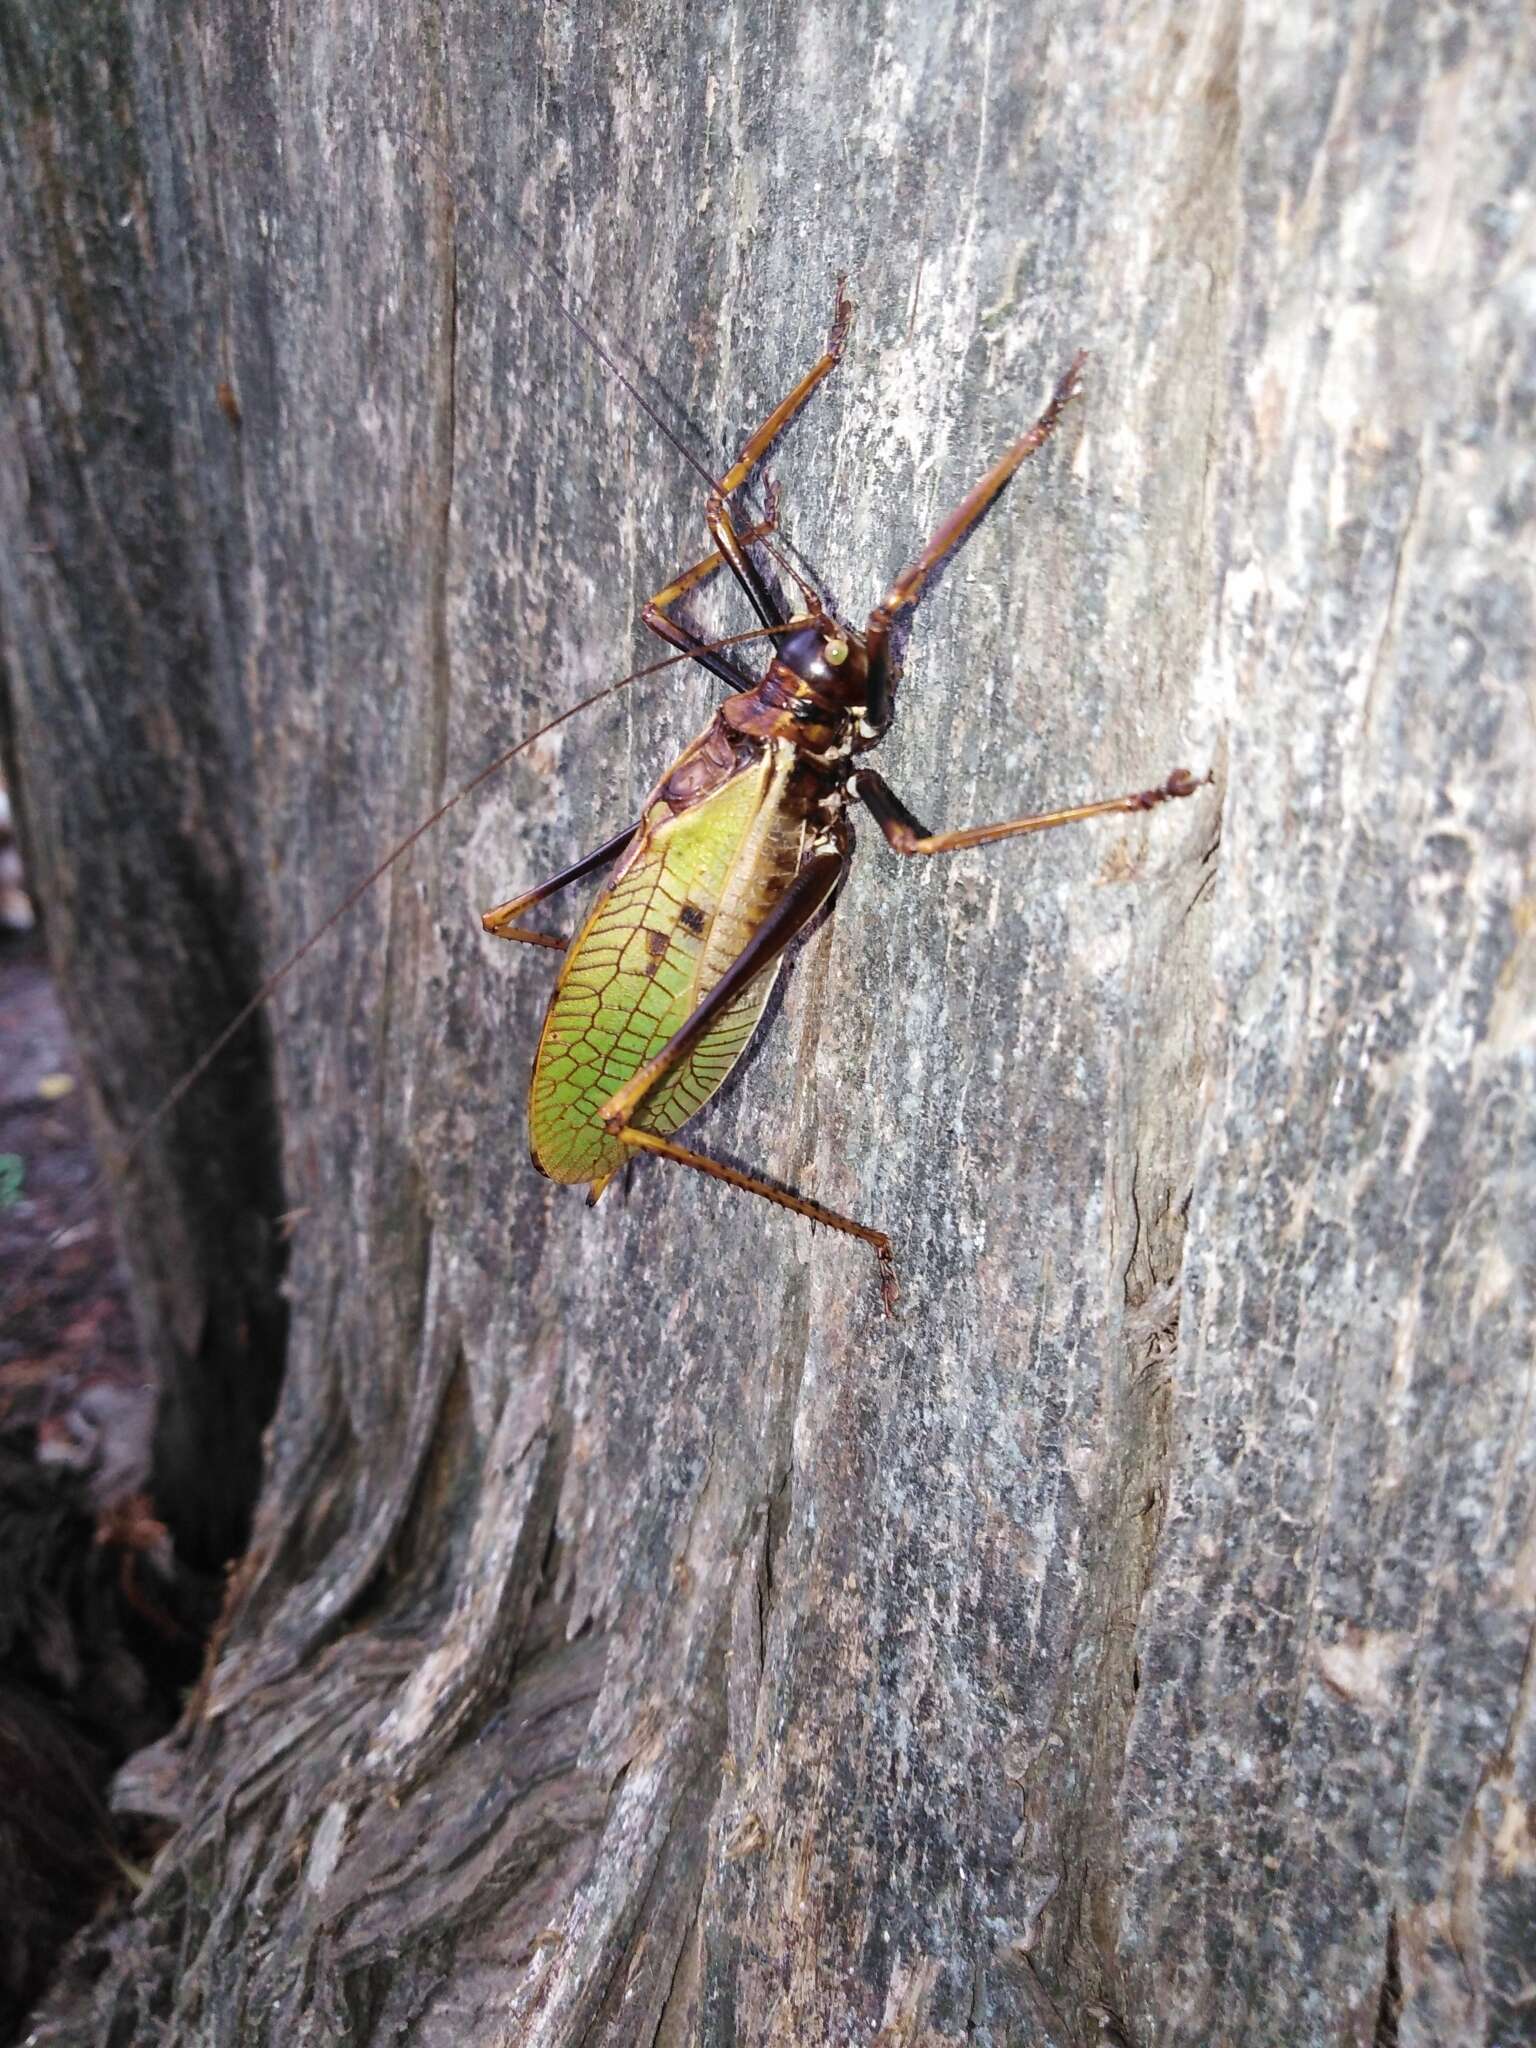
(641, 1639)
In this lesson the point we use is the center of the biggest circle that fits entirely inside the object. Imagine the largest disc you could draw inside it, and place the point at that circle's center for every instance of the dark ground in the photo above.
(92, 1659)
(67, 1334)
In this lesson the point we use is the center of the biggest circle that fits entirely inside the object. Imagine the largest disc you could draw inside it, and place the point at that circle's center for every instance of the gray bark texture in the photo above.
(641, 1639)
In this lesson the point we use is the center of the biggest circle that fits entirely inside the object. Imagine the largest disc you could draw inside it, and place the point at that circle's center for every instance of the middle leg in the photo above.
(905, 835)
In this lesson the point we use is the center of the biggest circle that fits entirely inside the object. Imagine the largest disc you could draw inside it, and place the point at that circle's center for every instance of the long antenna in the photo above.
(558, 289)
(551, 281)
(183, 1085)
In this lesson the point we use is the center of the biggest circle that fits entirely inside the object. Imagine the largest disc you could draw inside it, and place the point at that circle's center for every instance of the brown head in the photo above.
(815, 694)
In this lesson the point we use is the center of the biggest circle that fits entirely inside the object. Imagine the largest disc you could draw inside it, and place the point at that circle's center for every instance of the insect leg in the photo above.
(716, 514)
(647, 1141)
(794, 910)
(906, 835)
(806, 894)
(908, 587)
(655, 616)
(501, 922)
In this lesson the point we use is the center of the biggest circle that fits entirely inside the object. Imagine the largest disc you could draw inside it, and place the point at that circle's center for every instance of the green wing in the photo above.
(658, 939)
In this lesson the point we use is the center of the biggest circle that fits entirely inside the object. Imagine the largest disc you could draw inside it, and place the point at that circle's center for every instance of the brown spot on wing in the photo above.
(656, 951)
(691, 918)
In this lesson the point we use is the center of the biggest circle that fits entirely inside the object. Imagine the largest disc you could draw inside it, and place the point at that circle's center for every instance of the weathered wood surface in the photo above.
(642, 1640)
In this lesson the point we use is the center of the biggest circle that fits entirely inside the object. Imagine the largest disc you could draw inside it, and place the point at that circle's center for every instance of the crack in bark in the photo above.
(1390, 2005)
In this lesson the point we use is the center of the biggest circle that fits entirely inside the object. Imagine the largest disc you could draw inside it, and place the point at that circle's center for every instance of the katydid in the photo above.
(739, 845)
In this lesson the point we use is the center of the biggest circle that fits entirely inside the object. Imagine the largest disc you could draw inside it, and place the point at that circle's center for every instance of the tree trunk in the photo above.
(642, 1639)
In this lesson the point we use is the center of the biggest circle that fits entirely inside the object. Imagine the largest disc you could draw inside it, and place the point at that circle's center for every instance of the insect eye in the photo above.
(835, 653)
